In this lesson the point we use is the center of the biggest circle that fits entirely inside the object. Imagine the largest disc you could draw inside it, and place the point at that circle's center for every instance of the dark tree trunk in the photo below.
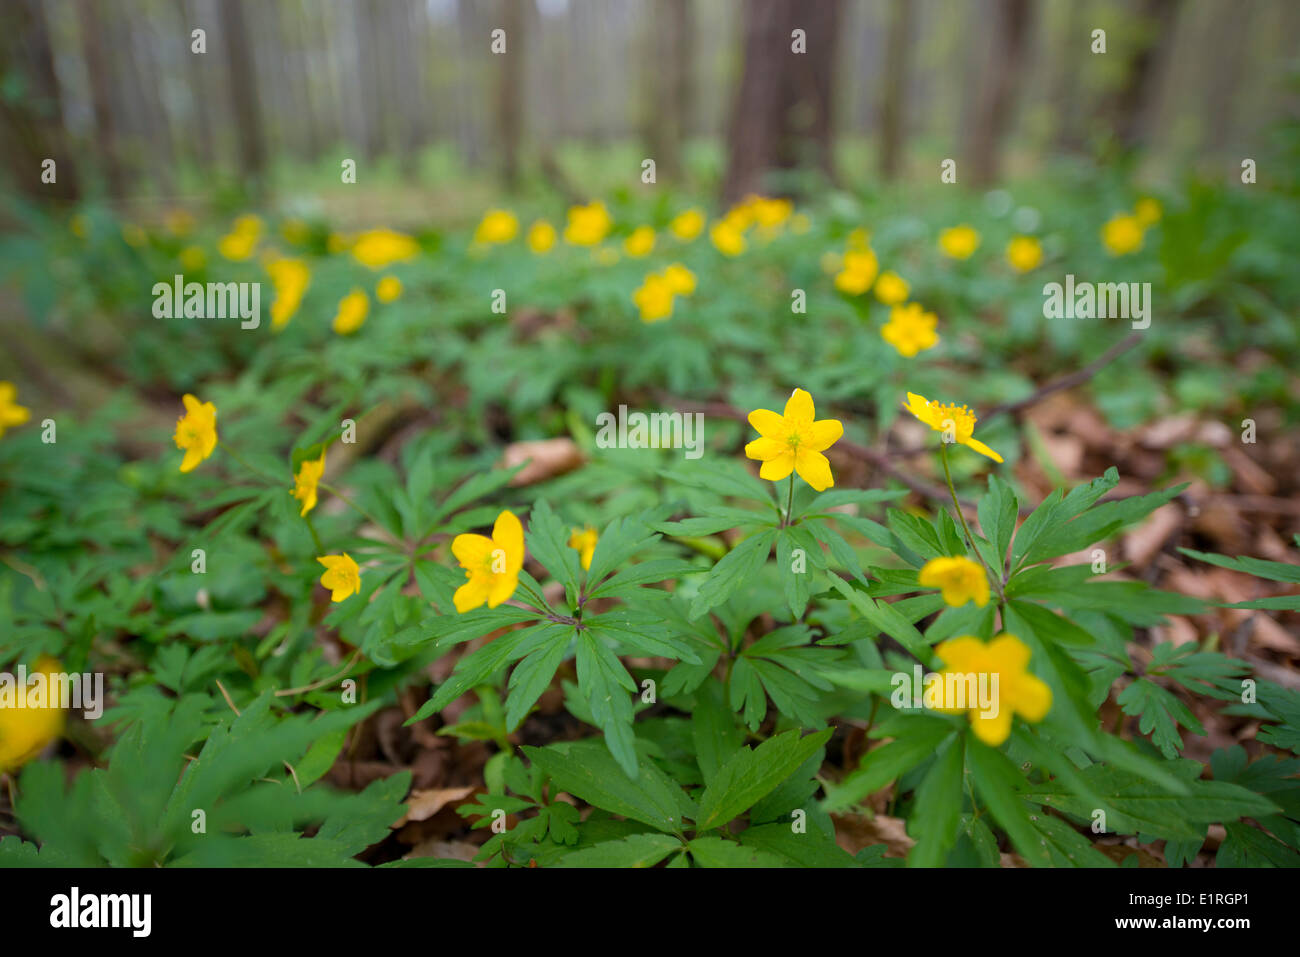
(33, 125)
(997, 89)
(243, 90)
(893, 89)
(1130, 107)
(510, 91)
(101, 86)
(669, 68)
(782, 117)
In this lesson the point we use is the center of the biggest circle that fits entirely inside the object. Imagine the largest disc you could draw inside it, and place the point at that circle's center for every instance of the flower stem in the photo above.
(789, 505)
(961, 517)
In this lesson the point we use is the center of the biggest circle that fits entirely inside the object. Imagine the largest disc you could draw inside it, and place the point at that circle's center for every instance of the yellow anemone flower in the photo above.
(26, 731)
(290, 278)
(353, 309)
(640, 243)
(389, 288)
(11, 413)
(956, 421)
(587, 225)
(891, 288)
(688, 224)
(306, 481)
(858, 272)
(492, 565)
(1016, 691)
(1024, 253)
(727, 238)
(196, 432)
(497, 226)
(192, 258)
(680, 279)
(541, 236)
(585, 542)
(959, 242)
(1122, 234)
(654, 298)
(342, 576)
(378, 248)
(1148, 211)
(959, 580)
(910, 329)
(794, 442)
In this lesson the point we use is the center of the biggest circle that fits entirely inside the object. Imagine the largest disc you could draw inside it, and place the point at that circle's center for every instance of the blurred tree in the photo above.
(669, 61)
(31, 109)
(893, 88)
(1070, 128)
(510, 92)
(782, 117)
(997, 89)
(243, 91)
(1128, 110)
(101, 88)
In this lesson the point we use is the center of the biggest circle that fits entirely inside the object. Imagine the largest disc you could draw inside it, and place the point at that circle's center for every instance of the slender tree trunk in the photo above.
(1070, 128)
(782, 117)
(997, 92)
(893, 88)
(510, 91)
(243, 91)
(1130, 107)
(100, 94)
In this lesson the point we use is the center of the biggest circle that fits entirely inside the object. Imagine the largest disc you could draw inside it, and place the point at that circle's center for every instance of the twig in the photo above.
(323, 682)
(1077, 377)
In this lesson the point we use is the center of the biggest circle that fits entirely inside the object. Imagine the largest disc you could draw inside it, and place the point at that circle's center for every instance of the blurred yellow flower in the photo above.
(859, 272)
(859, 239)
(891, 288)
(389, 288)
(337, 243)
(680, 279)
(688, 224)
(727, 237)
(196, 432)
(771, 212)
(794, 442)
(959, 242)
(959, 579)
(290, 278)
(133, 235)
(541, 236)
(585, 542)
(1016, 692)
(353, 309)
(956, 421)
(832, 261)
(342, 576)
(640, 243)
(910, 329)
(1122, 234)
(587, 225)
(306, 481)
(378, 248)
(1148, 211)
(239, 243)
(178, 222)
(800, 223)
(492, 565)
(1024, 253)
(193, 258)
(295, 231)
(25, 731)
(497, 226)
(11, 413)
(654, 298)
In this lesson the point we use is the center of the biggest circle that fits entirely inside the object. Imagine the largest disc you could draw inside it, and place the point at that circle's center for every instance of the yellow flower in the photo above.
(541, 236)
(859, 239)
(383, 247)
(1148, 211)
(910, 329)
(196, 432)
(831, 262)
(11, 413)
(337, 243)
(958, 242)
(497, 226)
(955, 420)
(858, 273)
(640, 243)
(26, 731)
(741, 216)
(680, 279)
(295, 231)
(1024, 253)
(133, 235)
(794, 442)
(891, 288)
(290, 278)
(179, 222)
(193, 258)
(239, 243)
(959, 579)
(306, 481)
(727, 237)
(492, 565)
(1122, 234)
(654, 298)
(389, 288)
(1016, 691)
(342, 576)
(353, 309)
(585, 542)
(771, 212)
(587, 225)
(688, 224)
(800, 223)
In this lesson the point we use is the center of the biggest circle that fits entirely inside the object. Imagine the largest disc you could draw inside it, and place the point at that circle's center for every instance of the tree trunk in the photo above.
(510, 91)
(782, 116)
(893, 88)
(997, 91)
(1130, 107)
(1069, 132)
(97, 73)
(243, 91)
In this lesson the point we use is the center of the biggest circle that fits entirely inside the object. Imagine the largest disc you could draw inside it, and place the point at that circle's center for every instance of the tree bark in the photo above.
(510, 91)
(243, 91)
(1130, 107)
(101, 86)
(997, 89)
(893, 88)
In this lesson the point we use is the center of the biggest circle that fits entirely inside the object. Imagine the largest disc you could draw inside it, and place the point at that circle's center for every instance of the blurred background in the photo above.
(411, 90)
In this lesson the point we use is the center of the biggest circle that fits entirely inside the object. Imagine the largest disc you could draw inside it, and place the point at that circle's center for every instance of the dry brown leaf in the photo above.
(853, 832)
(422, 805)
(1146, 540)
(546, 458)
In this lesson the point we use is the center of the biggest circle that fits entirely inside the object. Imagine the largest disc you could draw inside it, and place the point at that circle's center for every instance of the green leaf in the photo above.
(635, 850)
(715, 852)
(996, 779)
(938, 806)
(750, 775)
(738, 566)
(890, 761)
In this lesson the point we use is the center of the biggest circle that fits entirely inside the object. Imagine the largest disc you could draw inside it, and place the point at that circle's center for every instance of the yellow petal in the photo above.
(982, 449)
(765, 449)
(472, 594)
(774, 470)
(800, 406)
(992, 730)
(815, 469)
(768, 424)
(508, 535)
(822, 435)
(503, 586)
(471, 550)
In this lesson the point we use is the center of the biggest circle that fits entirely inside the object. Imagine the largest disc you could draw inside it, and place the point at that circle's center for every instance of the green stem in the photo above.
(246, 464)
(961, 517)
(366, 515)
(789, 505)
